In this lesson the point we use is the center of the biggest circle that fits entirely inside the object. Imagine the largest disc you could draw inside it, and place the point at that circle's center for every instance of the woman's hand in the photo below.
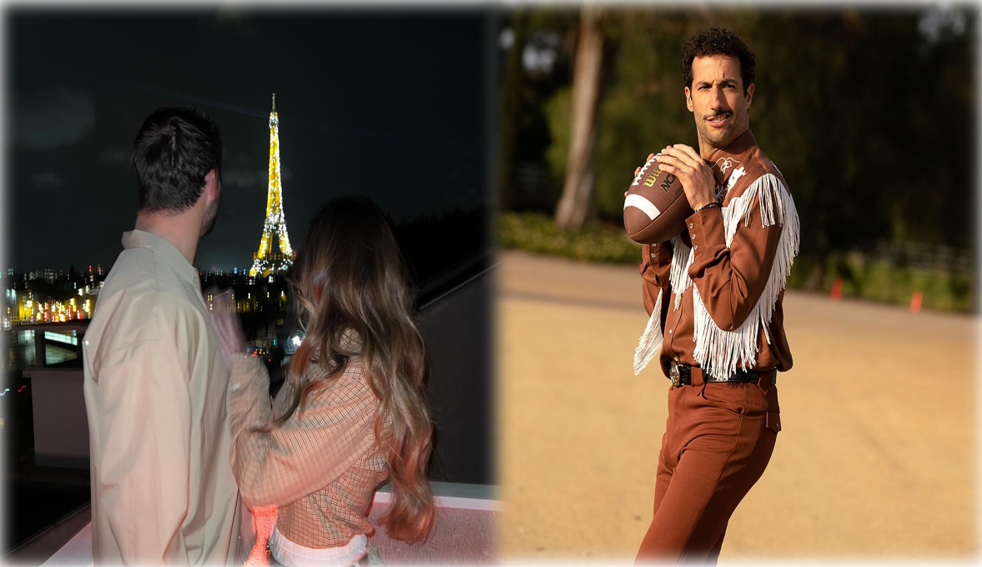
(226, 323)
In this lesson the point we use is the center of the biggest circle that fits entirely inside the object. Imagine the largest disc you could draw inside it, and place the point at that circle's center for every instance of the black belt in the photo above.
(681, 375)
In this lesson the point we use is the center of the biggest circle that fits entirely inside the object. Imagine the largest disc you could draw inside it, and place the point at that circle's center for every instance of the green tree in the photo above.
(576, 203)
(868, 114)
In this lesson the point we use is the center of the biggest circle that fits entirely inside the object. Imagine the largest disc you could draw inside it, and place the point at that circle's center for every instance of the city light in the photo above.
(58, 295)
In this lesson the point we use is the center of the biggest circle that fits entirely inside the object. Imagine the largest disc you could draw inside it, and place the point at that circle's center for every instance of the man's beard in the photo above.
(715, 136)
(211, 215)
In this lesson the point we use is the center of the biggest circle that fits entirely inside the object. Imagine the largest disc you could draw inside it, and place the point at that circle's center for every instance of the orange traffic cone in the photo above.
(836, 288)
(916, 299)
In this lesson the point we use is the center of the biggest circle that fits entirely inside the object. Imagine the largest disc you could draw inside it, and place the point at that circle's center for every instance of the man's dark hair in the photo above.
(173, 152)
(715, 41)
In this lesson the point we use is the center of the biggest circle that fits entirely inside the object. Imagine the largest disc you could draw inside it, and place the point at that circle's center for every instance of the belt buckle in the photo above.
(674, 374)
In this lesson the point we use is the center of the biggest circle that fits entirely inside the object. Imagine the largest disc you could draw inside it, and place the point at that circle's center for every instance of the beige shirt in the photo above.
(155, 394)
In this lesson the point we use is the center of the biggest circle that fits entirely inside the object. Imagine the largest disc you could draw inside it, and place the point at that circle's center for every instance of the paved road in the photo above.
(876, 460)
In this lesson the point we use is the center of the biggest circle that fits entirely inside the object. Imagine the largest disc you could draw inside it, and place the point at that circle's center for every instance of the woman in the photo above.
(352, 410)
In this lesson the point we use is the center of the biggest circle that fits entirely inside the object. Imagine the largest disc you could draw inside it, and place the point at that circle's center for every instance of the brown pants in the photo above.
(717, 443)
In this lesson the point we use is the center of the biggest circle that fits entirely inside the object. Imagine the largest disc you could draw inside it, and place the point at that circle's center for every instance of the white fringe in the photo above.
(718, 351)
(651, 341)
(683, 256)
(681, 260)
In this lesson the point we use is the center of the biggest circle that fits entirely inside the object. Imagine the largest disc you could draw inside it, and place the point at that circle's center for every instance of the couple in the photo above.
(180, 419)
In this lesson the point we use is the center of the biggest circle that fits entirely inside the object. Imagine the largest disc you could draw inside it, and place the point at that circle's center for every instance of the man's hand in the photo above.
(226, 323)
(696, 177)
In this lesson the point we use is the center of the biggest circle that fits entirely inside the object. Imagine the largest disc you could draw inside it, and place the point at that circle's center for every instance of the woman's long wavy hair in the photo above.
(349, 274)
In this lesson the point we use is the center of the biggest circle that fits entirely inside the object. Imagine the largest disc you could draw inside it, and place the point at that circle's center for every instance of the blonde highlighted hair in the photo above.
(350, 276)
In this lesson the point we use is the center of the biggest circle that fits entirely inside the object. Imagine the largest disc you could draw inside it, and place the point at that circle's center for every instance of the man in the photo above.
(155, 381)
(714, 295)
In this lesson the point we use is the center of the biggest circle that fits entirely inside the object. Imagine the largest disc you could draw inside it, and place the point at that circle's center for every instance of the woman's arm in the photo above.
(314, 447)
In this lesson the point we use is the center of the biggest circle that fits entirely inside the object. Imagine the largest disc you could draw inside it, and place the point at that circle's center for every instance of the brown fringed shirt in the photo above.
(721, 294)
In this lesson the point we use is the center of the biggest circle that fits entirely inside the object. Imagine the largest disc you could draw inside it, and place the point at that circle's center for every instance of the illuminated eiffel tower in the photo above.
(275, 255)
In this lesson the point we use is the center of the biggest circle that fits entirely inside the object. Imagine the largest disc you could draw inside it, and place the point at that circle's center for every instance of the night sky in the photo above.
(388, 104)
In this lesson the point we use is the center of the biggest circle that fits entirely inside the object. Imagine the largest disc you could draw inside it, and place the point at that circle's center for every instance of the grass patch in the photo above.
(874, 281)
(596, 242)
(877, 281)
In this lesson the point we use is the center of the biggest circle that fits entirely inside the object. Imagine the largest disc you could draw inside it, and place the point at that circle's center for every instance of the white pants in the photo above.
(292, 554)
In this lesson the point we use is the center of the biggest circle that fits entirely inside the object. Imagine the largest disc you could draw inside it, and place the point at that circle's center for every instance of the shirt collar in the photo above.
(142, 239)
(726, 159)
(350, 339)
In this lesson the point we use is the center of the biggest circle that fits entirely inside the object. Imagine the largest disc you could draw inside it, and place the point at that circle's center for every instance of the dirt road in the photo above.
(876, 460)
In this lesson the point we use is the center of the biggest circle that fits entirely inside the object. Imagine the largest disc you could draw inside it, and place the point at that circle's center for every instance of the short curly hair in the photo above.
(715, 41)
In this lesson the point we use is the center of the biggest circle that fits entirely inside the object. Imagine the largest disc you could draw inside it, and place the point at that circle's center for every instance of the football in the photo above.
(655, 208)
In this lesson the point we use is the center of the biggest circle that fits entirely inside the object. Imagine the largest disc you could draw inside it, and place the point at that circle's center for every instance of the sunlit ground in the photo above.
(876, 460)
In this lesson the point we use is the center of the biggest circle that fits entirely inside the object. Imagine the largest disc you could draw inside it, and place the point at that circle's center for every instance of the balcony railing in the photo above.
(464, 533)
(465, 527)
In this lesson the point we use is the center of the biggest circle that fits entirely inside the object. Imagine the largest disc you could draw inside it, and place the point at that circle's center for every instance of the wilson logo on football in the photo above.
(637, 178)
(650, 180)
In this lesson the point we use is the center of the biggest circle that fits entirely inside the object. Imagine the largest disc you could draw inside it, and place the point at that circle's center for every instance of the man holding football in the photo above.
(714, 295)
